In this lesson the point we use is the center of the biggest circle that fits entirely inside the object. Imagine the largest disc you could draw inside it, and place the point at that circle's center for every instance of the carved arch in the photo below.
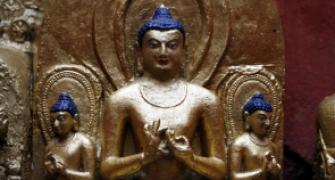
(239, 83)
(73, 79)
(116, 24)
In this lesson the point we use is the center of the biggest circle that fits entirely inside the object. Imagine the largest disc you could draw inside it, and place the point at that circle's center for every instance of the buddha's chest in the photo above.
(181, 116)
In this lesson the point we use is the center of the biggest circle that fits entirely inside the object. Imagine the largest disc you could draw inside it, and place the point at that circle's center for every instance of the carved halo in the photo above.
(74, 77)
(238, 84)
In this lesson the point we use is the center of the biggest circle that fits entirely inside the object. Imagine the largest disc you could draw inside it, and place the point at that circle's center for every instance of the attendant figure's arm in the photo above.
(113, 165)
(270, 166)
(56, 166)
(213, 165)
(235, 156)
(88, 156)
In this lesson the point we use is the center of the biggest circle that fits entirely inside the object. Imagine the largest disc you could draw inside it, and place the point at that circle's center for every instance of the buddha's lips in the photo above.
(163, 61)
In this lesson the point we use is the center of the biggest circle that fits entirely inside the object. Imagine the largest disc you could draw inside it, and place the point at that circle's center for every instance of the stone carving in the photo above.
(70, 154)
(11, 9)
(252, 154)
(80, 39)
(18, 31)
(164, 113)
(18, 22)
(238, 83)
(76, 76)
(325, 150)
(12, 125)
(207, 36)
(3, 120)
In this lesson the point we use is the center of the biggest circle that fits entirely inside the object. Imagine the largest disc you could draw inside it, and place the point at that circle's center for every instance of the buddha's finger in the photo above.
(184, 140)
(156, 125)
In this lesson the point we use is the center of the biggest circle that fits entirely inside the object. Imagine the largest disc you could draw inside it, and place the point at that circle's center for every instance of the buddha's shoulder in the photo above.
(202, 93)
(125, 93)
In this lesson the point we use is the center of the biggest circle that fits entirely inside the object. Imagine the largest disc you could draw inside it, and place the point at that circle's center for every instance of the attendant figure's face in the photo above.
(259, 122)
(62, 122)
(162, 52)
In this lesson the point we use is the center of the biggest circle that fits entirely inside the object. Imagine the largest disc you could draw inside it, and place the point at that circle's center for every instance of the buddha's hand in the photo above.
(179, 145)
(272, 164)
(151, 148)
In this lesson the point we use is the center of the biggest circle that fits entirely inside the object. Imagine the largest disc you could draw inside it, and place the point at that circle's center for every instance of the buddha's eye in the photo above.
(153, 44)
(172, 44)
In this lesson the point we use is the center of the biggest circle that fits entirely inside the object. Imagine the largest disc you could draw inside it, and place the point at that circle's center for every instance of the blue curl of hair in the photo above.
(65, 103)
(257, 102)
(162, 20)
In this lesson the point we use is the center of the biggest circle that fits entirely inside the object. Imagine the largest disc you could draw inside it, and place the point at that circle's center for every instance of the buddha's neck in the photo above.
(161, 81)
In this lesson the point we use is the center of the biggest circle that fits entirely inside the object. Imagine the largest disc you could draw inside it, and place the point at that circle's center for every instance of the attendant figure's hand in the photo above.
(272, 165)
(49, 164)
(179, 145)
(151, 148)
(55, 164)
(60, 168)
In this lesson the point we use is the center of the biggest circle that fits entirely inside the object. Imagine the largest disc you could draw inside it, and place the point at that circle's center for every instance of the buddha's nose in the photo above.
(163, 50)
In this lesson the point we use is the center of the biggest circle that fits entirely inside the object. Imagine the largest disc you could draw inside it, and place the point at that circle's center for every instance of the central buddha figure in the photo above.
(164, 112)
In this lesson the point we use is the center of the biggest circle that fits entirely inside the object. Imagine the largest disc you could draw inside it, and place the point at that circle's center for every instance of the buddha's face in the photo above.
(259, 122)
(62, 122)
(162, 52)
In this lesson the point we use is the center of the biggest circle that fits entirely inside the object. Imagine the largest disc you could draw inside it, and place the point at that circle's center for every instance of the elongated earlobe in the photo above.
(76, 122)
(139, 67)
(246, 121)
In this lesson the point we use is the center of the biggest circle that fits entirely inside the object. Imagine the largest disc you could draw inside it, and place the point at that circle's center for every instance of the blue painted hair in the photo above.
(162, 20)
(65, 103)
(257, 102)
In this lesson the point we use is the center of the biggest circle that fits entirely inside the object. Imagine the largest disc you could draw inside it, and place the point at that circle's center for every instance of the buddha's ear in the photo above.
(246, 118)
(138, 51)
(139, 59)
(76, 122)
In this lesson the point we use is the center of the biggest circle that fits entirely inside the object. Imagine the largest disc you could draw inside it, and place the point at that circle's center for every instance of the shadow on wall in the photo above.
(295, 167)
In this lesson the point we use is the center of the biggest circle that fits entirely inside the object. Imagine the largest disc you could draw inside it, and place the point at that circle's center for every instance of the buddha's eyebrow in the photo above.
(153, 40)
(164, 41)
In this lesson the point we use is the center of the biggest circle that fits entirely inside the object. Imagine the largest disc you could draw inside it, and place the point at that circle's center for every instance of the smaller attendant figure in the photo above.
(252, 154)
(325, 159)
(70, 154)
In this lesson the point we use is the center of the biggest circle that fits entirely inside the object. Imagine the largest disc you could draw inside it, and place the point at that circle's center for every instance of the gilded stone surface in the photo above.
(89, 48)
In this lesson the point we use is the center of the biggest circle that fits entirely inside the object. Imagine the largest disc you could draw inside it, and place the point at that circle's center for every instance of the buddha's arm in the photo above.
(212, 165)
(112, 164)
(235, 156)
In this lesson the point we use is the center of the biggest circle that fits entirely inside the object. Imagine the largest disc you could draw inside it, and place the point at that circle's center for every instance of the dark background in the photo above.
(309, 30)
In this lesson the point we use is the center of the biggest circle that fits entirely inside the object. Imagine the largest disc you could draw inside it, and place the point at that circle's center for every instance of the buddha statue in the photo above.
(164, 112)
(325, 159)
(252, 155)
(70, 154)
